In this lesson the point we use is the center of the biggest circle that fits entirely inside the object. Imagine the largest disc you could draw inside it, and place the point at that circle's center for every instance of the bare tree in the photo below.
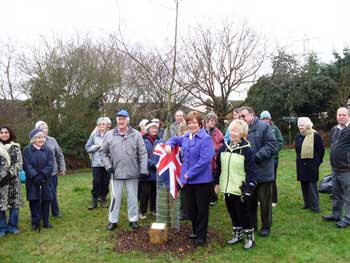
(219, 63)
(158, 72)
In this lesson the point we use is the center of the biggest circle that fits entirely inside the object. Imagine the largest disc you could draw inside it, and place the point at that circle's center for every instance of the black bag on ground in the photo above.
(326, 184)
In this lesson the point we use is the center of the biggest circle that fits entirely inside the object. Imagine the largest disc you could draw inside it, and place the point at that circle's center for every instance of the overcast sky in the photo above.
(299, 25)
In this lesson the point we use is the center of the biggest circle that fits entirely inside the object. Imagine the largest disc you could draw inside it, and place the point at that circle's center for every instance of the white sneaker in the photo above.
(142, 217)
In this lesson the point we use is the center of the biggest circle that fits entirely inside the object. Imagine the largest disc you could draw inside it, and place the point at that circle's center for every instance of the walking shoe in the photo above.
(264, 232)
(142, 216)
(192, 236)
(35, 228)
(212, 203)
(330, 218)
(199, 242)
(112, 226)
(342, 224)
(93, 205)
(134, 225)
(57, 216)
(48, 226)
(104, 204)
(2, 234)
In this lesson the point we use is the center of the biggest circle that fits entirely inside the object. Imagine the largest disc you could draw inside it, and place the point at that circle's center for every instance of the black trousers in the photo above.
(55, 209)
(100, 183)
(39, 210)
(148, 196)
(196, 201)
(274, 183)
(213, 196)
(310, 195)
(238, 211)
(263, 194)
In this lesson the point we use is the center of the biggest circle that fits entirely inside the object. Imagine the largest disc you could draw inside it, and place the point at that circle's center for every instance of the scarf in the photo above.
(307, 148)
(5, 154)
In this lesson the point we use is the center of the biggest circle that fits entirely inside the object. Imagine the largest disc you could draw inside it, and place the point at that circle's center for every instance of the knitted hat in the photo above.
(40, 124)
(122, 113)
(265, 115)
(143, 123)
(150, 124)
(34, 133)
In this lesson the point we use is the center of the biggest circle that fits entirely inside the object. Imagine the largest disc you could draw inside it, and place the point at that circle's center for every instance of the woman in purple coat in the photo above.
(196, 174)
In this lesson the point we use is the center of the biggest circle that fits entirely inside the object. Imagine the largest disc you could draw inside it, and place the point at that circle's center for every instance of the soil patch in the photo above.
(178, 244)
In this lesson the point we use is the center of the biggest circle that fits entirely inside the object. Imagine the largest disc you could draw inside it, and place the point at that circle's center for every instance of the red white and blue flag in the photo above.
(169, 168)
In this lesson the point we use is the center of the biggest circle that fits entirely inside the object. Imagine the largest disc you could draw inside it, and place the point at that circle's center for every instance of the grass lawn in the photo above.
(80, 236)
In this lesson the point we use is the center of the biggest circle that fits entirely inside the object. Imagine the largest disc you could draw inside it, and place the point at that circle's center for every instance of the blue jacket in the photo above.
(264, 146)
(151, 161)
(197, 156)
(38, 165)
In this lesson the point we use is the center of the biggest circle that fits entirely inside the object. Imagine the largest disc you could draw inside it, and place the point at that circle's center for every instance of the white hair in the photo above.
(305, 121)
(108, 120)
(143, 122)
(101, 120)
(41, 125)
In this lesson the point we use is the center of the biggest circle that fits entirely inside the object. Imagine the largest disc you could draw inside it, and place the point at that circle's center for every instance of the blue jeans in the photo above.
(12, 224)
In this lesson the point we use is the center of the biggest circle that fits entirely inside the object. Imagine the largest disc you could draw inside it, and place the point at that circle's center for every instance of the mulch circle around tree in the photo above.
(178, 243)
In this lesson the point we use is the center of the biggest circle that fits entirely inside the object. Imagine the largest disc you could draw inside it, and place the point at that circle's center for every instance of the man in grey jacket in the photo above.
(340, 161)
(125, 159)
(174, 127)
(264, 146)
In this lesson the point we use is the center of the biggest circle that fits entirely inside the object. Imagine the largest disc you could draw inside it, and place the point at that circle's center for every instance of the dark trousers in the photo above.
(238, 211)
(55, 210)
(147, 195)
(310, 195)
(274, 183)
(263, 194)
(196, 201)
(100, 183)
(39, 210)
(213, 195)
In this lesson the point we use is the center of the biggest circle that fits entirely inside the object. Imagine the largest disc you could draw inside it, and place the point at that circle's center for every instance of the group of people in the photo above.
(42, 161)
(242, 165)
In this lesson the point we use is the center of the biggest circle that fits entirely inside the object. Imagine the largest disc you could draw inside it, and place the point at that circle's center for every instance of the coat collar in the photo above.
(201, 133)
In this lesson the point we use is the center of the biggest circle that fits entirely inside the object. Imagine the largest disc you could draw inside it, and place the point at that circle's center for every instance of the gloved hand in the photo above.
(143, 175)
(39, 179)
(247, 191)
(110, 172)
(257, 160)
(154, 167)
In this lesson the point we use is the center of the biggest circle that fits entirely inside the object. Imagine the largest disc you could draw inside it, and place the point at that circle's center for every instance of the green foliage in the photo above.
(297, 235)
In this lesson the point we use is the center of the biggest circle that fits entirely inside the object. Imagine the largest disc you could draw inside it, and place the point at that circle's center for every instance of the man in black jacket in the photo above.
(340, 162)
(264, 146)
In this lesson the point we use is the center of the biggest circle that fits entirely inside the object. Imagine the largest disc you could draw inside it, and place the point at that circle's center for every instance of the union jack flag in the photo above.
(169, 168)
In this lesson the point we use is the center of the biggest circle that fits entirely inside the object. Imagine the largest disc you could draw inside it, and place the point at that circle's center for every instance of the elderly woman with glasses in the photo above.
(100, 182)
(196, 174)
(38, 163)
(310, 151)
(59, 165)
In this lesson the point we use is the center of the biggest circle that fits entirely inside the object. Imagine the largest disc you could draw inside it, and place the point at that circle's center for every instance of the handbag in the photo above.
(22, 176)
